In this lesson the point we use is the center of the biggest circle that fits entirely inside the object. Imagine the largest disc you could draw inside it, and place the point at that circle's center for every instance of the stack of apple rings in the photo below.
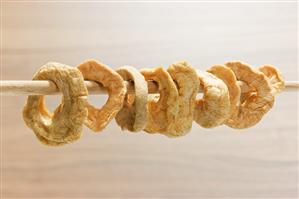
(171, 112)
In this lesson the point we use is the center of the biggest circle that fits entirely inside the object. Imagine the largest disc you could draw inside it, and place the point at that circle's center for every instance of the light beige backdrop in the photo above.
(257, 162)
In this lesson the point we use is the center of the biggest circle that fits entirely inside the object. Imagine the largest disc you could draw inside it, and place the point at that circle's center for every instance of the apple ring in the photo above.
(133, 115)
(228, 77)
(65, 124)
(162, 111)
(185, 77)
(98, 119)
(274, 76)
(214, 108)
(256, 102)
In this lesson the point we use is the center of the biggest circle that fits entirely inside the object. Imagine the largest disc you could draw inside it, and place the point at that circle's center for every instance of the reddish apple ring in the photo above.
(98, 119)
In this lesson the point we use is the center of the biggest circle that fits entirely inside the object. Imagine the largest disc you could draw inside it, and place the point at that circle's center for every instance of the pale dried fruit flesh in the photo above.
(214, 108)
(98, 119)
(133, 115)
(274, 77)
(228, 77)
(162, 109)
(66, 123)
(255, 103)
(185, 77)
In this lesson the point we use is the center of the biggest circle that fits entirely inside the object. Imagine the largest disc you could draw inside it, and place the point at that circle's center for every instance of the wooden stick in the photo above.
(44, 87)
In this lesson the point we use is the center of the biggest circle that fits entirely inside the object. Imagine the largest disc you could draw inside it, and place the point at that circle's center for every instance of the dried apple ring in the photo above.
(256, 102)
(274, 76)
(185, 77)
(65, 124)
(133, 115)
(214, 108)
(228, 77)
(98, 119)
(162, 111)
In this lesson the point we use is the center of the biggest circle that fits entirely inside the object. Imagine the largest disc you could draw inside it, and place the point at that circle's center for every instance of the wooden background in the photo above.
(221, 162)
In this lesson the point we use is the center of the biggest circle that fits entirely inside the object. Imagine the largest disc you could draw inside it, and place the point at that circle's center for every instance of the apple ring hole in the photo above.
(52, 102)
(98, 100)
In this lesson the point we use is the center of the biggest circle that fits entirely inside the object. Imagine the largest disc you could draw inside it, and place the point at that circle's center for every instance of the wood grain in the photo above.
(260, 162)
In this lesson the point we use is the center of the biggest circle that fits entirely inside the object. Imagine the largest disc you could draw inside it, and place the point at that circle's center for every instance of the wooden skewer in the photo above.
(44, 87)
